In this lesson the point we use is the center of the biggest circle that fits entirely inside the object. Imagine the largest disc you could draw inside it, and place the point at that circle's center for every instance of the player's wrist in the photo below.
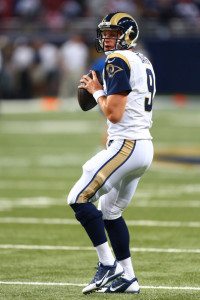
(98, 94)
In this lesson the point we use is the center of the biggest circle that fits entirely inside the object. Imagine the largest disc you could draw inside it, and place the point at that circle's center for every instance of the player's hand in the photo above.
(90, 84)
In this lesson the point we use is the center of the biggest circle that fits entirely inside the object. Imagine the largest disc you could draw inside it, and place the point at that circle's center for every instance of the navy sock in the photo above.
(91, 219)
(119, 237)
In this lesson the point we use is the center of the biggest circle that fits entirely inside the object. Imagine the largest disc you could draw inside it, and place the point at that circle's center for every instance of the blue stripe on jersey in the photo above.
(117, 76)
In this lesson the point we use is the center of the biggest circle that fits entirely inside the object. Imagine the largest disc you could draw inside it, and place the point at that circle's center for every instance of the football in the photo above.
(85, 99)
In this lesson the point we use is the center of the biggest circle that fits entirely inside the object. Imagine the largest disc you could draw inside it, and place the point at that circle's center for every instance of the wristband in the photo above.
(98, 94)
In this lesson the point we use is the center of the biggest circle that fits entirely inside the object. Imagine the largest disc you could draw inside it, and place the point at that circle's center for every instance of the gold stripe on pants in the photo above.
(106, 171)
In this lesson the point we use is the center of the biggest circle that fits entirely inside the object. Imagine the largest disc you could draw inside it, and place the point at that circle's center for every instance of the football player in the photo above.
(112, 175)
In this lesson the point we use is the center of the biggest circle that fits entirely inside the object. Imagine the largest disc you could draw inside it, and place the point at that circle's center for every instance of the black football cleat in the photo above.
(103, 275)
(122, 285)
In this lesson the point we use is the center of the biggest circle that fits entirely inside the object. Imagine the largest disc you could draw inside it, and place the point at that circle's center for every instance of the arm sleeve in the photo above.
(117, 76)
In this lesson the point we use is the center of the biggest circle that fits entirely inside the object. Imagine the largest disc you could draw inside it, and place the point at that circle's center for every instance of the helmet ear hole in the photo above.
(131, 35)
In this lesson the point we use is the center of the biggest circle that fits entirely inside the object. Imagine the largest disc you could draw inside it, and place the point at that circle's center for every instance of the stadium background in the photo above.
(169, 32)
(45, 138)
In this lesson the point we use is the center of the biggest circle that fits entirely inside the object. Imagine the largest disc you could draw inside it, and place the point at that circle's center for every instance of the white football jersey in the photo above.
(132, 72)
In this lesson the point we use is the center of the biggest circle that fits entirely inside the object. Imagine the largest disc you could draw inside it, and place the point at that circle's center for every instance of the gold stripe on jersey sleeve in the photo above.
(113, 55)
(115, 19)
(105, 171)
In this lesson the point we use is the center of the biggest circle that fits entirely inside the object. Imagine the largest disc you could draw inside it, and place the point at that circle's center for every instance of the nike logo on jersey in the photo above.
(110, 60)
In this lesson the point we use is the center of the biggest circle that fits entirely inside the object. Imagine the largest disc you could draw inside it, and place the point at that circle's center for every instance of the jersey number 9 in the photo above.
(151, 88)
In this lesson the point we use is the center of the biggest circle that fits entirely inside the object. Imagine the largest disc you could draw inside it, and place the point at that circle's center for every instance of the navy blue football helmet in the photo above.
(124, 24)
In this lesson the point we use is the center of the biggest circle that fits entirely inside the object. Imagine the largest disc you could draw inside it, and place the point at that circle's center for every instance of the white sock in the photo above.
(105, 254)
(128, 268)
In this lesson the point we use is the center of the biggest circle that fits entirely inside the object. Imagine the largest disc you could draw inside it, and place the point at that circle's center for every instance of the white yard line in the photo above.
(165, 203)
(7, 203)
(171, 287)
(67, 159)
(49, 127)
(82, 248)
(41, 283)
(152, 223)
(83, 284)
(148, 223)
(31, 185)
(161, 192)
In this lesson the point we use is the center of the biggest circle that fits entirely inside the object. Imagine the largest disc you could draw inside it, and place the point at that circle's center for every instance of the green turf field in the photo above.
(44, 253)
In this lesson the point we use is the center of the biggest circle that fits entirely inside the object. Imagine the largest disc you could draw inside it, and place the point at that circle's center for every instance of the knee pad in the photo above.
(86, 212)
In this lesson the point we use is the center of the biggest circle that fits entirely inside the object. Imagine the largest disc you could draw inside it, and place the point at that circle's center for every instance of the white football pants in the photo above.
(112, 176)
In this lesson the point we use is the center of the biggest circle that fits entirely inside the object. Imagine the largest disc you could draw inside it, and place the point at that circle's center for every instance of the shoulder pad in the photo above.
(112, 56)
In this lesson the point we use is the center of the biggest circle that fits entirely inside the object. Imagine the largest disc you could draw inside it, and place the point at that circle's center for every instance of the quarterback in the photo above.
(112, 175)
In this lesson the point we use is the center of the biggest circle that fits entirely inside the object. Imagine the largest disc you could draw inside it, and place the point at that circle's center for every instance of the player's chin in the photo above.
(107, 48)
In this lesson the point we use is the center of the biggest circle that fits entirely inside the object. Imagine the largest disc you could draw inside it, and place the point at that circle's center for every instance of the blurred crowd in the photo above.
(30, 69)
(46, 45)
(57, 15)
